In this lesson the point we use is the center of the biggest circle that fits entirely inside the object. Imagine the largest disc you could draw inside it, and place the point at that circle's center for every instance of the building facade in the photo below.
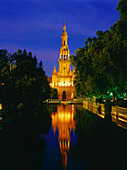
(63, 79)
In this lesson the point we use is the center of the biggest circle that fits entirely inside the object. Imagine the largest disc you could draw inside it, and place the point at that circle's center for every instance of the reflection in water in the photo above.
(28, 143)
(64, 121)
(22, 142)
(100, 144)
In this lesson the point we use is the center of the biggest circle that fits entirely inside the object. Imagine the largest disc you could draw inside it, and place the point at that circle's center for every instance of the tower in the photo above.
(63, 80)
(64, 51)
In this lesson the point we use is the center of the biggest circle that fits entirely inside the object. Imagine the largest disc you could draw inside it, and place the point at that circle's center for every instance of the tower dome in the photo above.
(64, 33)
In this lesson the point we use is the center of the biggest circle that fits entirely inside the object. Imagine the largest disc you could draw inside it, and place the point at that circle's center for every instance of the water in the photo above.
(63, 137)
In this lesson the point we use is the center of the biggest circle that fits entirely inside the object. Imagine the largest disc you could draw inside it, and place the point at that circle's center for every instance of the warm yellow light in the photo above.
(64, 117)
(0, 106)
(67, 83)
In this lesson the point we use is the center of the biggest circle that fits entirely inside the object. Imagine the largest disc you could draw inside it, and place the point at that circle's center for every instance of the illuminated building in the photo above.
(64, 121)
(63, 80)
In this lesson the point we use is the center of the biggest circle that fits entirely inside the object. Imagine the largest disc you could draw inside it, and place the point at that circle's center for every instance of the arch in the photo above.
(64, 95)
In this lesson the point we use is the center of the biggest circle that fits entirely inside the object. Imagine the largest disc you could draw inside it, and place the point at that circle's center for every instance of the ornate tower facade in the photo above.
(63, 80)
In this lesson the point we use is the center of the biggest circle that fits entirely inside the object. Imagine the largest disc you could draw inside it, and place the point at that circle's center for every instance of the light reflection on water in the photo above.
(62, 136)
(64, 121)
(65, 137)
(82, 140)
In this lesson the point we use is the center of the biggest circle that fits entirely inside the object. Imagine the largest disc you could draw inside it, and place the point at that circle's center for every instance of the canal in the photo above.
(62, 137)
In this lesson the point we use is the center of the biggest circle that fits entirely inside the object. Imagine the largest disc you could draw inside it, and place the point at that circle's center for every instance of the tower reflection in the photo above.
(64, 121)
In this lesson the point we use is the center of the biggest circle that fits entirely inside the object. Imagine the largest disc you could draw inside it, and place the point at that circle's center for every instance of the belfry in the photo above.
(63, 80)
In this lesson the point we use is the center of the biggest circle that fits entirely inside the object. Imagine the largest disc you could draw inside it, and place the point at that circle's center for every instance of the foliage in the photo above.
(122, 7)
(24, 79)
(54, 93)
(101, 65)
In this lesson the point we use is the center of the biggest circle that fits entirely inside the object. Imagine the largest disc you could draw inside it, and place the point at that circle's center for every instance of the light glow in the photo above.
(66, 83)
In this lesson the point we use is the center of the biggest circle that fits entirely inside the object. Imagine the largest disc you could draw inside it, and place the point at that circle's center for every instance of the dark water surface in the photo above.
(63, 137)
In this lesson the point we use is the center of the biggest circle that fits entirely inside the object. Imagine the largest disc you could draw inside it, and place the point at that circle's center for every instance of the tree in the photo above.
(25, 82)
(101, 65)
(54, 93)
(122, 8)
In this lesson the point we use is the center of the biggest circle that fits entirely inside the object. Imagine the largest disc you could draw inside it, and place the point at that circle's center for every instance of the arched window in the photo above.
(64, 57)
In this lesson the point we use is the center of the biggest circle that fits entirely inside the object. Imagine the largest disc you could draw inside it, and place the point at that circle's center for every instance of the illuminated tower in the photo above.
(64, 60)
(63, 80)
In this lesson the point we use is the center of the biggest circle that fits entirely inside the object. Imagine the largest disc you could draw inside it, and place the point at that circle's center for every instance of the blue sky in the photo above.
(36, 25)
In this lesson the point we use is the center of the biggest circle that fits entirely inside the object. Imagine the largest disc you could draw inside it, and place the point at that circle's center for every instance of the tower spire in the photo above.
(54, 70)
(64, 51)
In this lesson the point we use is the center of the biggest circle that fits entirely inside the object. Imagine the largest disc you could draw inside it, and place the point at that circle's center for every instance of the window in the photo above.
(64, 57)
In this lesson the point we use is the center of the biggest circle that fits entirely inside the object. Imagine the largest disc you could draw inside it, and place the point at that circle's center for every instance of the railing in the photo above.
(119, 115)
(96, 108)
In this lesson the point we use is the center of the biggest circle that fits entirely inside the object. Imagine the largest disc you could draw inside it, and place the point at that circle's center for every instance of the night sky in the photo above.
(36, 25)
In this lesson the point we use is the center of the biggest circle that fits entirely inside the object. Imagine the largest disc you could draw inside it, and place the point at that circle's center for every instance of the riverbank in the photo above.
(71, 101)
